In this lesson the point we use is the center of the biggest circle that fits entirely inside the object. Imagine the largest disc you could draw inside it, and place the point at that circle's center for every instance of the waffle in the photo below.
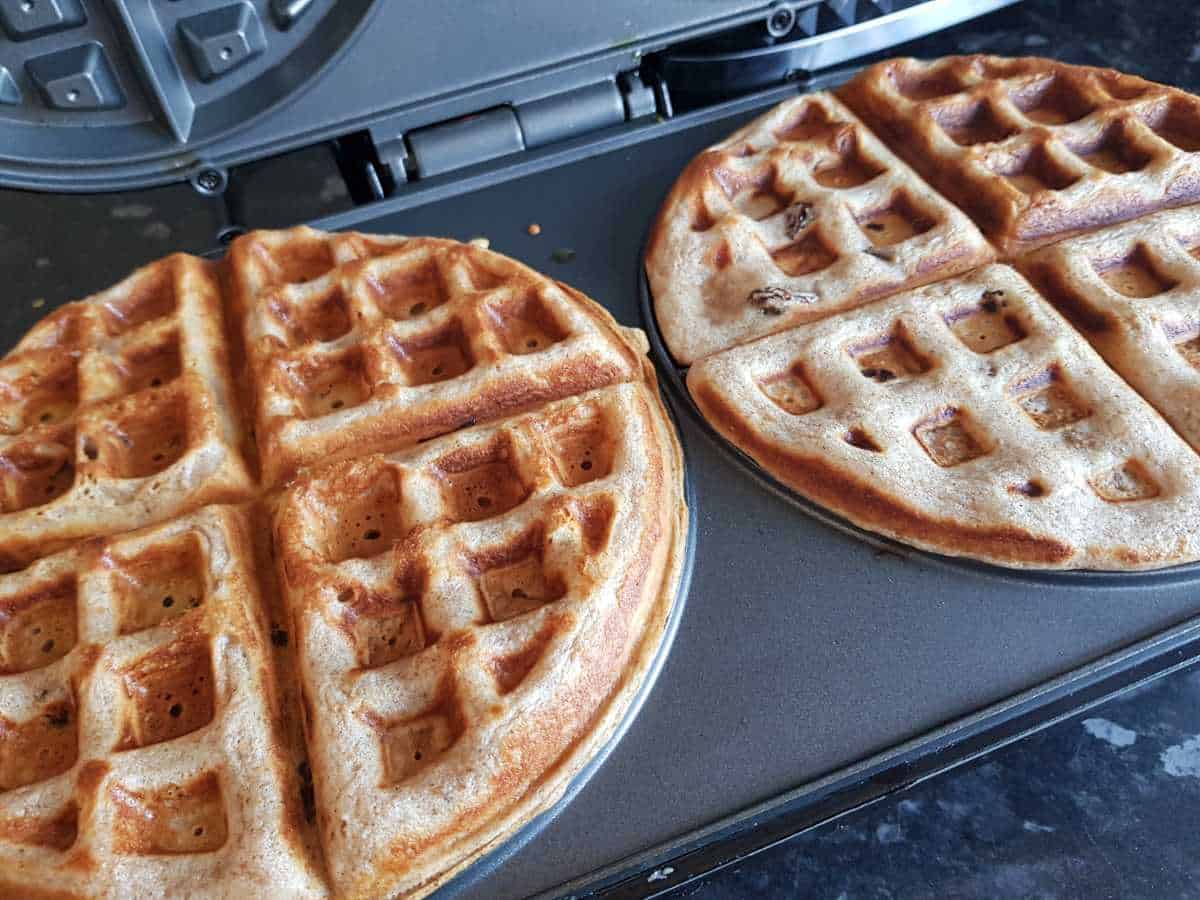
(966, 418)
(800, 214)
(388, 591)
(1034, 149)
(118, 412)
(1133, 290)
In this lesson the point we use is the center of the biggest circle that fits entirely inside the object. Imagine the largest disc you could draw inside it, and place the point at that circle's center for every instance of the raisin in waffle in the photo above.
(1133, 290)
(458, 515)
(967, 418)
(1035, 149)
(800, 214)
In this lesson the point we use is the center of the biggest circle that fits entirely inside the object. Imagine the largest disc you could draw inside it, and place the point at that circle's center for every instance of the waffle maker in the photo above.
(815, 668)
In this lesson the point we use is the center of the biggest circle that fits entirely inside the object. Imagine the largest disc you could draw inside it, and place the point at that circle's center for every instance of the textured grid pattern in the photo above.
(136, 721)
(965, 417)
(800, 214)
(425, 338)
(1133, 290)
(118, 412)
(1033, 149)
(442, 614)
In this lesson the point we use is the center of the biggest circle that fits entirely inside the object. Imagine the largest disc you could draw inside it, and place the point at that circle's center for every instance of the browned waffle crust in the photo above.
(965, 417)
(436, 576)
(1035, 149)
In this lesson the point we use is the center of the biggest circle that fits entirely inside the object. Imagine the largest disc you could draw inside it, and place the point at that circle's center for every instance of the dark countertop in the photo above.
(1106, 804)
(1103, 805)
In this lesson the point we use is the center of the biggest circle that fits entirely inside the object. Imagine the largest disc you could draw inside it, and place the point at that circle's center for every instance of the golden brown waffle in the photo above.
(1133, 290)
(117, 412)
(140, 737)
(466, 673)
(1035, 149)
(798, 215)
(966, 418)
(455, 628)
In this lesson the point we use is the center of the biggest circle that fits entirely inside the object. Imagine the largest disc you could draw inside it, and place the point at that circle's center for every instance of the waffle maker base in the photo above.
(816, 668)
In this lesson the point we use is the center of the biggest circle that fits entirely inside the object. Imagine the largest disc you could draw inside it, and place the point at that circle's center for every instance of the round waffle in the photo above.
(329, 566)
(971, 416)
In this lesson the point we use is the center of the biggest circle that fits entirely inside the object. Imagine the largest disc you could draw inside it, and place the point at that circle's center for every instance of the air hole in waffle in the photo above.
(411, 745)
(149, 366)
(986, 326)
(143, 438)
(921, 83)
(173, 819)
(811, 122)
(1135, 276)
(406, 288)
(331, 384)
(1114, 152)
(888, 357)
(170, 692)
(141, 298)
(525, 324)
(1176, 121)
(514, 580)
(1048, 400)
(309, 316)
(437, 356)
(950, 438)
(57, 832)
(362, 518)
(861, 440)
(582, 444)
(40, 748)
(1051, 101)
(851, 169)
(386, 626)
(480, 482)
(37, 626)
(1034, 171)
(900, 220)
(802, 257)
(791, 391)
(161, 583)
(970, 124)
(38, 470)
(46, 395)
(1124, 483)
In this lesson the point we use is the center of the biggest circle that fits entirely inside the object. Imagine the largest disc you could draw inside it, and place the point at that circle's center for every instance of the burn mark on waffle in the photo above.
(774, 301)
(37, 626)
(1126, 483)
(175, 819)
(1047, 398)
(1033, 489)
(41, 747)
(308, 795)
(950, 437)
(888, 357)
(279, 637)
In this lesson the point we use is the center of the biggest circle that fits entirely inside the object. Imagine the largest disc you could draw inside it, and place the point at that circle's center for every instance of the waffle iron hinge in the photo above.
(398, 156)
